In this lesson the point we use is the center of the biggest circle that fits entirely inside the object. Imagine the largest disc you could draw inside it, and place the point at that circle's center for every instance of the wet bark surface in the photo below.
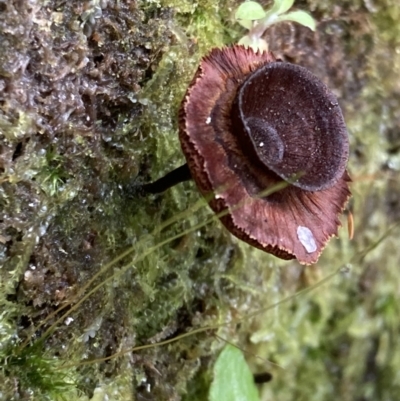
(89, 93)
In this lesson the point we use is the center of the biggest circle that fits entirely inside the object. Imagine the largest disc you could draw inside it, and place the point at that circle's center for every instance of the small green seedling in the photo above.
(253, 17)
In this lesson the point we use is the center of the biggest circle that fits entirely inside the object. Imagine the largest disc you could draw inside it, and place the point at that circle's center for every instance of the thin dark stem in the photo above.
(174, 177)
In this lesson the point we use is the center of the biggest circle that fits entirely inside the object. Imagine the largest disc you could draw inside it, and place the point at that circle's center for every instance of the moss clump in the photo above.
(35, 373)
(80, 117)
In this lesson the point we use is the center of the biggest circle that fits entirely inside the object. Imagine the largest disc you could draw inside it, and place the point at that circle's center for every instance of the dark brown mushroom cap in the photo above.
(285, 117)
(246, 123)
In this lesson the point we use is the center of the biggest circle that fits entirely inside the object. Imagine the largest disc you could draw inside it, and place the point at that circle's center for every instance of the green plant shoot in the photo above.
(253, 17)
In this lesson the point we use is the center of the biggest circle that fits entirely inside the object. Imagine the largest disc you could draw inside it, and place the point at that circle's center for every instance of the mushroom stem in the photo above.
(174, 177)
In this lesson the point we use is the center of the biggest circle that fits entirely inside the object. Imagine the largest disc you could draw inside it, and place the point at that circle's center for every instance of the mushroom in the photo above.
(249, 122)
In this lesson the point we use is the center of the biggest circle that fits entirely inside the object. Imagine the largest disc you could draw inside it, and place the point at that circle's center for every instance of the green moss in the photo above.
(66, 218)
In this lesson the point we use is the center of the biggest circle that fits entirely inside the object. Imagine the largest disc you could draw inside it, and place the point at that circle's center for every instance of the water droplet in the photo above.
(306, 237)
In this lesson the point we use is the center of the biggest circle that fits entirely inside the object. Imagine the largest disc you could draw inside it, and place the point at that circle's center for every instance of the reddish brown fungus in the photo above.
(248, 121)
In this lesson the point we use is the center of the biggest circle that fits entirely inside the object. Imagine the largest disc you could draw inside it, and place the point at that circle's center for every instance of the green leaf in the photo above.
(281, 6)
(246, 23)
(233, 380)
(249, 11)
(300, 17)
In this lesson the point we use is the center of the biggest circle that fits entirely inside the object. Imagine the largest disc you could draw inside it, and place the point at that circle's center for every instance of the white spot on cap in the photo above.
(261, 144)
(306, 238)
(208, 120)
